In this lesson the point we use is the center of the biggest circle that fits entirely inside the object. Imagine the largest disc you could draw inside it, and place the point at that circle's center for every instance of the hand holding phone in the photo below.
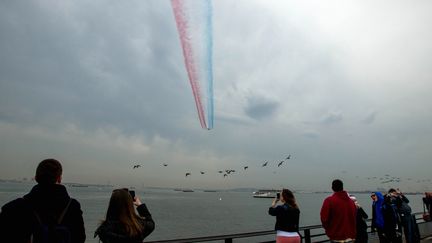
(132, 193)
(278, 196)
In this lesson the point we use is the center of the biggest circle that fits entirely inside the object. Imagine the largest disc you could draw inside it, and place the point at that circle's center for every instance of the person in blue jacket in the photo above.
(377, 215)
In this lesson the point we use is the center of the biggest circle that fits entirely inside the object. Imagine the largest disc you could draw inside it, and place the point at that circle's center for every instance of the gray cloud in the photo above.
(96, 84)
(369, 119)
(261, 108)
(332, 117)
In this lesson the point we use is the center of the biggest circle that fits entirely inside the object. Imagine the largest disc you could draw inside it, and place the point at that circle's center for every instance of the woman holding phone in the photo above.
(122, 224)
(287, 217)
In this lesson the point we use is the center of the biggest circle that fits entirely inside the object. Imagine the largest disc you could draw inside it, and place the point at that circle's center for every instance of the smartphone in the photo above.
(132, 193)
(278, 195)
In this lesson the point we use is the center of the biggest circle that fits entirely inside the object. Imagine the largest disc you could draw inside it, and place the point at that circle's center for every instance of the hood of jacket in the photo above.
(377, 206)
(342, 195)
(48, 200)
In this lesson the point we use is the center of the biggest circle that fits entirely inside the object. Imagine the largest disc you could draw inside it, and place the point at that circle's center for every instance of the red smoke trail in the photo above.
(182, 27)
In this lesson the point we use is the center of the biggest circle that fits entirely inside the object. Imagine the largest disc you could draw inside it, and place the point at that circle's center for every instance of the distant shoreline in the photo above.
(75, 184)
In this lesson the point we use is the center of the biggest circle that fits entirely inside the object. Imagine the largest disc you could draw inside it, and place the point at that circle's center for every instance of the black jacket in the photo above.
(287, 217)
(402, 205)
(113, 231)
(18, 220)
(361, 226)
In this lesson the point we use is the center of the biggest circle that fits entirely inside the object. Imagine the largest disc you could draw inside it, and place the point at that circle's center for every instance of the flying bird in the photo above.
(265, 164)
(280, 163)
(245, 167)
(225, 175)
(220, 172)
(165, 164)
(188, 174)
(288, 157)
(202, 172)
(136, 166)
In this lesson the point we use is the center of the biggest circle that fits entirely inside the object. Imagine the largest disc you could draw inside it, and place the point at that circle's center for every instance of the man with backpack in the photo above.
(46, 214)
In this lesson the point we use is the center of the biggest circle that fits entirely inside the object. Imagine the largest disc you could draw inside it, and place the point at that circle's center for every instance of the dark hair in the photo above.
(121, 209)
(391, 190)
(388, 199)
(337, 185)
(289, 198)
(48, 171)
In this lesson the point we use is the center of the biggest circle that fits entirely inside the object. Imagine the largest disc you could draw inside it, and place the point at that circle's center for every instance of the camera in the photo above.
(132, 193)
(278, 195)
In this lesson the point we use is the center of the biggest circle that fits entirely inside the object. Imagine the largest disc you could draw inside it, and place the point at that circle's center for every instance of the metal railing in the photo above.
(307, 233)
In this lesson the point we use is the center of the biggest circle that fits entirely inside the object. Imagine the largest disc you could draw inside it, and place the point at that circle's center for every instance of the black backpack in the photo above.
(52, 233)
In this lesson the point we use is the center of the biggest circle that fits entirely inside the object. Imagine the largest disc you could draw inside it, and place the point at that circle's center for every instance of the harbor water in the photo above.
(180, 214)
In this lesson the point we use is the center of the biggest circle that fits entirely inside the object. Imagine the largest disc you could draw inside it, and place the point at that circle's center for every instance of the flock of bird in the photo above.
(226, 172)
(385, 179)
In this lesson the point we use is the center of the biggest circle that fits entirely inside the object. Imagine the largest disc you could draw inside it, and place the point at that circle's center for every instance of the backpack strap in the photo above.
(60, 219)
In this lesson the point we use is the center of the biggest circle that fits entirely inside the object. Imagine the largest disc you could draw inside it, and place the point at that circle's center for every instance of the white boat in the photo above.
(265, 194)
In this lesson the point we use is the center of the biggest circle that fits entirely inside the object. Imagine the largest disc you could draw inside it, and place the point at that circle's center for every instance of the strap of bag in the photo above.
(60, 219)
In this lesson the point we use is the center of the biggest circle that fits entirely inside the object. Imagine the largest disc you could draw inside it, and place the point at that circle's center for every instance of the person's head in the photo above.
(337, 185)
(374, 197)
(354, 199)
(388, 199)
(288, 197)
(393, 192)
(121, 209)
(49, 171)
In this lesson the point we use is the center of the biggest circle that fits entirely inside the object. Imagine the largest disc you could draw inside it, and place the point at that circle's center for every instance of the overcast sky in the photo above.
(344, 87)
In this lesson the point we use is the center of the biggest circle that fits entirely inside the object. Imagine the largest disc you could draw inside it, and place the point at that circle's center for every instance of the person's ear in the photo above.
(59, 179)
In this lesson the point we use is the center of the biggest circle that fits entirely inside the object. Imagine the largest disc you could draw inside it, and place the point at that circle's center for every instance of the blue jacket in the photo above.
(377, 215)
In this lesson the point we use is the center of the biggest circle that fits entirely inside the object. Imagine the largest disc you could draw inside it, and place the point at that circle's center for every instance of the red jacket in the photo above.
(338, 216)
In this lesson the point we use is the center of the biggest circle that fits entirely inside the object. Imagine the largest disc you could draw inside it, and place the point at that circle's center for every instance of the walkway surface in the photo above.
(428, 239)
(425, 231)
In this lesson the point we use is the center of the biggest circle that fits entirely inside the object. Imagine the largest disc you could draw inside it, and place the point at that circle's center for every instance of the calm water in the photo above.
(193, 214)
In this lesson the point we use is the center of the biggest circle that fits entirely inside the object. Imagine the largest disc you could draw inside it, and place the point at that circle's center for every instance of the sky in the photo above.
(342, 87)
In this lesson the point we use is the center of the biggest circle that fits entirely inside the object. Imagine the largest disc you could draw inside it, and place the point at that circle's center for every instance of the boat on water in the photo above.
(183, 190)
(78, 185)
(265, 193)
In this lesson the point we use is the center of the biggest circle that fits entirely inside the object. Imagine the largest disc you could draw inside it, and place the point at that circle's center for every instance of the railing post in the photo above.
(228, 240)
(307, 236)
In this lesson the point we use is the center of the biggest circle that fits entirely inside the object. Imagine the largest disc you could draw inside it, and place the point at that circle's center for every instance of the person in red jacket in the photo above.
(338, 215)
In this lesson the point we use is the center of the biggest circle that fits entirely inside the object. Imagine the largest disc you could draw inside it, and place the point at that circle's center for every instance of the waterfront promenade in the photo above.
(313, 233)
